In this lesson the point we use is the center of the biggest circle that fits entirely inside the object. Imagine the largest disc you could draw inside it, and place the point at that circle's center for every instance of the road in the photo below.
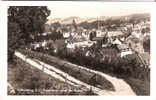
(121, 87)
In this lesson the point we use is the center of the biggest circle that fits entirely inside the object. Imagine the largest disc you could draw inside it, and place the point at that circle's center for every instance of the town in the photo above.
(103, 55)
(119, 40)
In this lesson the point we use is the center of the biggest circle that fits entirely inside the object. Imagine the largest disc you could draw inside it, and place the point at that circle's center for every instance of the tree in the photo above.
(146, 44)
(24, 23)
(74, 24)
(55, 25)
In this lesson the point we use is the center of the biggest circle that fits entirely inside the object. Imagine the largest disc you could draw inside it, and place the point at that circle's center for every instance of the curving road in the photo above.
(121, 87)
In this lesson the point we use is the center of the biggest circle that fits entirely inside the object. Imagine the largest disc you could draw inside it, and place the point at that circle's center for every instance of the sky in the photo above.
(95, 9)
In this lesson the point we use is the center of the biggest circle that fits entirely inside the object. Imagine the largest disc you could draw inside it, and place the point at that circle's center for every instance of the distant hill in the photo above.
(144, 15)
(79, 20)
(67, 20)
(53, 20)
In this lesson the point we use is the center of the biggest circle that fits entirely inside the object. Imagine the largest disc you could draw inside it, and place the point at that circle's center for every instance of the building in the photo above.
(66, 35)
(78, 42)
(115, 33)
(124, 50)
(117, 41)
(100, 33)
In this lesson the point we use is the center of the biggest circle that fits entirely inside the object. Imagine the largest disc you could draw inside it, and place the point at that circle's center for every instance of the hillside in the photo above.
(79, 20)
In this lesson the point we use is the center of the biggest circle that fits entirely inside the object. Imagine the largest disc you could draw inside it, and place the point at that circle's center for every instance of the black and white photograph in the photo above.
(93, 49)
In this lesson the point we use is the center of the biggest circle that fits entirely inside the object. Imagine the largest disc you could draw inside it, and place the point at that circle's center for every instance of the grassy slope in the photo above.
(139, 87)
(20, 77)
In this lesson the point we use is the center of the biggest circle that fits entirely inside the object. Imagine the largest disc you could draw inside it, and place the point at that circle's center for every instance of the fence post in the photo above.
(43, 67)
(66, 79)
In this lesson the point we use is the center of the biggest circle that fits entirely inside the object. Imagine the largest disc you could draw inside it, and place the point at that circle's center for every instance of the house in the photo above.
(35, 46)
(135, 34)
(124, 50)
(103, 40)
(46, 33)
(78, 42)
(117, 41)
(66, 35)
(70, 45)
(129, 25)
(115, 33)
(100, 33)
(85, 34)
(44, 43)
(98, 38)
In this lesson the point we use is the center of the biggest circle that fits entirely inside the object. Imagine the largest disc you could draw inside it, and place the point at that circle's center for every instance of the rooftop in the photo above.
(123, 46)
(114, 33)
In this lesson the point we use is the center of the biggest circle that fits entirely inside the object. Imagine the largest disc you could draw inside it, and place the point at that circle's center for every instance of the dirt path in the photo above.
(121, 87)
